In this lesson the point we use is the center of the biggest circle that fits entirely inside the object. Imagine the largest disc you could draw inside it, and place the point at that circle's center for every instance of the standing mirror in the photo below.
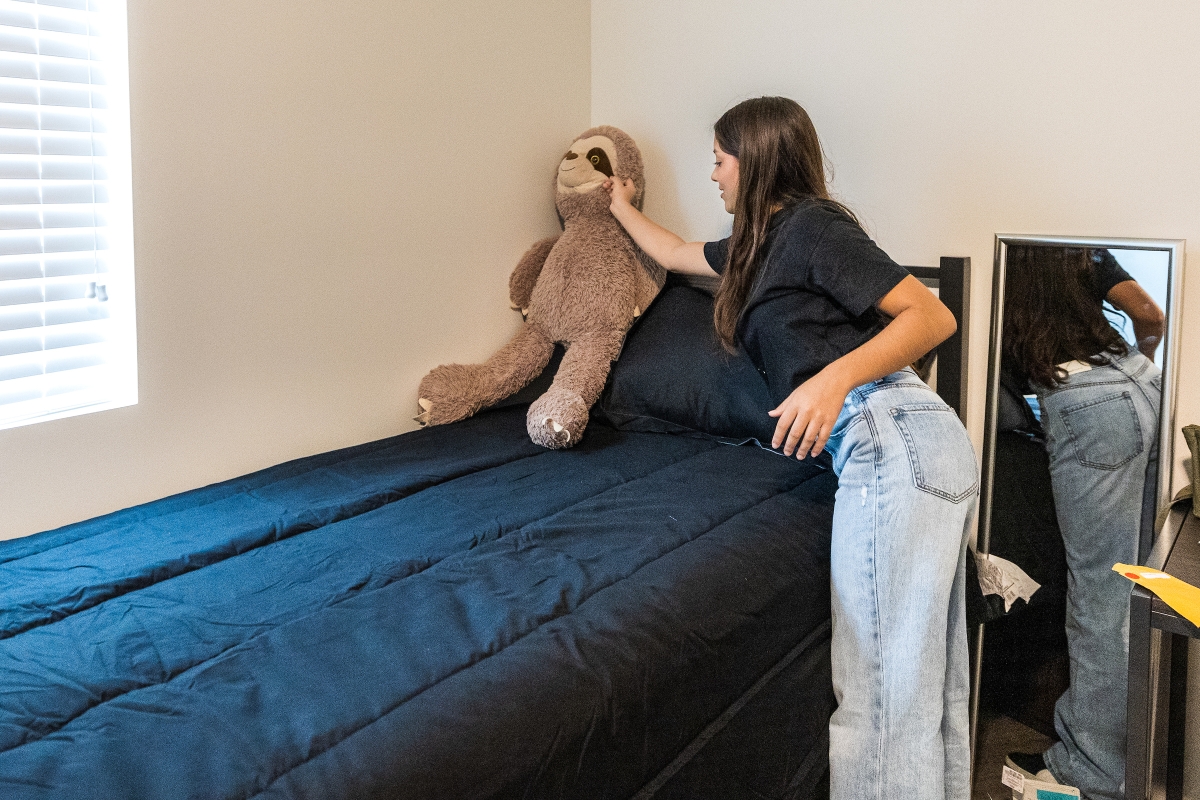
(1078, 440)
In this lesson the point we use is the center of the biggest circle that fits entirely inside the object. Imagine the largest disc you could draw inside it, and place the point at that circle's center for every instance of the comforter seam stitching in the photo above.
(533, 630)
(297, 530)
(243, 491)
(426, 567)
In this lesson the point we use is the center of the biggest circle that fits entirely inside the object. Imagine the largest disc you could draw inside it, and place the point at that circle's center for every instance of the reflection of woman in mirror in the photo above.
(1099, 403)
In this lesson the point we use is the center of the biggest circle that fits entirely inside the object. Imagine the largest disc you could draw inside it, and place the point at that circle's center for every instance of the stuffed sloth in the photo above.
(582, 288)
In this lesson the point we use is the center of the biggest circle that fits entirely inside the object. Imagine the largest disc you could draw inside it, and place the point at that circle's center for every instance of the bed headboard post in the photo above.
(952, 279)
(954, 289)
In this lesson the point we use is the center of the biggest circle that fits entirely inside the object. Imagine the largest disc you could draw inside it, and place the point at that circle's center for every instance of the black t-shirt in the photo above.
(815, 295)
(1106, 273)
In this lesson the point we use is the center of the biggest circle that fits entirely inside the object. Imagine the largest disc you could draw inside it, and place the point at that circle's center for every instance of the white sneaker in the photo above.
(1031, 766)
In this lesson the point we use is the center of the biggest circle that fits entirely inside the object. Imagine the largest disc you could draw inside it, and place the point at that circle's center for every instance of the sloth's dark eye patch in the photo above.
(599, 160)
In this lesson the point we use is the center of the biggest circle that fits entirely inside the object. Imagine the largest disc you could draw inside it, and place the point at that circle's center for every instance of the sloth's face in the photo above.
(587, 164)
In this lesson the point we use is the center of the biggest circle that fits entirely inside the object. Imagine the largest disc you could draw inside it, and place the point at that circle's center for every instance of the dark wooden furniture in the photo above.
(1177, 552)
(952, 279)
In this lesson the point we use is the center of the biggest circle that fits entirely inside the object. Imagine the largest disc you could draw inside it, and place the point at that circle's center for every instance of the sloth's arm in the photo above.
(520, 283)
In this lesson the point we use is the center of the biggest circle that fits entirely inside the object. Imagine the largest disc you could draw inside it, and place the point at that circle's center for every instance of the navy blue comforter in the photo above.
(454, 612)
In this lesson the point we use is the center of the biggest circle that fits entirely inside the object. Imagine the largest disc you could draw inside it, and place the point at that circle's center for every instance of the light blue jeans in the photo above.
(1101, 433)
(907, 482)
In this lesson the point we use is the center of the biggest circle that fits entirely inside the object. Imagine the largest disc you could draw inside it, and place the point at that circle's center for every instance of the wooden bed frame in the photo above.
(953, 281)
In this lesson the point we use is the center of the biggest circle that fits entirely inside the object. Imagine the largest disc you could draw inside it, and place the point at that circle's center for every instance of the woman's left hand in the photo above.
(807, 416)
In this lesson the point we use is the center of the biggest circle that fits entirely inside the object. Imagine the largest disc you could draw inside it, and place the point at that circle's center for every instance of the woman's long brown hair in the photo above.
(1051, 314)
(780, 163)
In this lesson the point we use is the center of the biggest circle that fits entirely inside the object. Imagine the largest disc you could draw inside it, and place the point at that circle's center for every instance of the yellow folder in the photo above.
(1183, 597)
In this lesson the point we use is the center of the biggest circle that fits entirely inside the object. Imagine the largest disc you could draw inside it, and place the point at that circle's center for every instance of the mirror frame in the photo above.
(1166, 424)
(1166, 429)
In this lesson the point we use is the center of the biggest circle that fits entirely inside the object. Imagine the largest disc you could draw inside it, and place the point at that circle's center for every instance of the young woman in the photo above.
(1100, 401)
(833, 322)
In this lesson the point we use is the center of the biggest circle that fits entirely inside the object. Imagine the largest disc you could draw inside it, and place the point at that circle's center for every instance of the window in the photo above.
(67, 337)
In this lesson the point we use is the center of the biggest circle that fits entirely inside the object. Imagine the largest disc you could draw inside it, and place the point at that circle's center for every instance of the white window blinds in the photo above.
(67, 343)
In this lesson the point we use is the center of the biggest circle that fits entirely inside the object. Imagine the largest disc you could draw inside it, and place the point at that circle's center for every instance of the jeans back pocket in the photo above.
(1104, 432)
(941, 457)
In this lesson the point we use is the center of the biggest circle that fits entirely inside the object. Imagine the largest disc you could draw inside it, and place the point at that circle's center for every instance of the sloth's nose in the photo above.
(570, 155)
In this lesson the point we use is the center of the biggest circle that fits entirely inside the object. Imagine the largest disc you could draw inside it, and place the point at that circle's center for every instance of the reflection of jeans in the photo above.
(907, 482)
(1101, 433)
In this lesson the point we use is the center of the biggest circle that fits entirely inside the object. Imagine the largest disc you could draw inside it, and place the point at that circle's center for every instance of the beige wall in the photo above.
(946, 123)
(328, 199)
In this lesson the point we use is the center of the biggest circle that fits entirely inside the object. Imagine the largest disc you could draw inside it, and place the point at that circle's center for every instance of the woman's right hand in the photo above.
(621, 190)
(659, 243)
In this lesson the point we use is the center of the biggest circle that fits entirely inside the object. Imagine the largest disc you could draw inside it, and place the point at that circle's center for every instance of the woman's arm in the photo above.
(659, 243)
(920, 322)
(1149, 323)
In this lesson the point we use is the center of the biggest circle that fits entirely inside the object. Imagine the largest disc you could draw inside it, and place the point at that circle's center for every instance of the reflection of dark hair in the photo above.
(1051, 313)
(780, 163)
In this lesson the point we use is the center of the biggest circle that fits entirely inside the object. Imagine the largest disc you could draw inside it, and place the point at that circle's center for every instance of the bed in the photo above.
(453, 612)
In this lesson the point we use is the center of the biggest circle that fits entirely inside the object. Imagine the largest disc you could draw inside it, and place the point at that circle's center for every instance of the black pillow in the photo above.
(673, 376)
